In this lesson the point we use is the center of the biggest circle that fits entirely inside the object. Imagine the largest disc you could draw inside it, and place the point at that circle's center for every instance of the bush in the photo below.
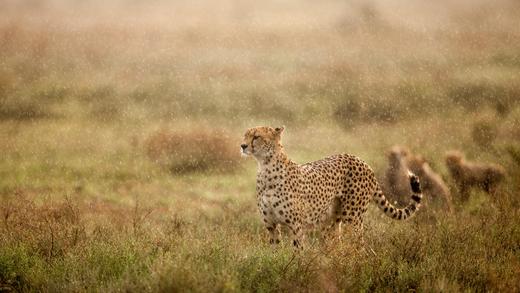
(484, 133)
(471, 96)
(514, 153)
(18, 109)
(197, 150)
(353, 111)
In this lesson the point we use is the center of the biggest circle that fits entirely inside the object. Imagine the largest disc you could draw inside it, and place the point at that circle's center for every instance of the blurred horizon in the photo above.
(222, 58)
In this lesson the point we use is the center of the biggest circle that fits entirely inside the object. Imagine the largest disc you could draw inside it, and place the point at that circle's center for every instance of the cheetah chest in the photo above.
(273, 204)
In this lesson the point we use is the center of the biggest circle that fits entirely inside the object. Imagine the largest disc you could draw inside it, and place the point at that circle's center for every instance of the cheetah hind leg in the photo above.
(331, 234)
(334, 229)
(354, 230)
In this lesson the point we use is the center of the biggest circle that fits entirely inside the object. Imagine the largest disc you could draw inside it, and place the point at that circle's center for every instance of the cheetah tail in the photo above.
(403, 213)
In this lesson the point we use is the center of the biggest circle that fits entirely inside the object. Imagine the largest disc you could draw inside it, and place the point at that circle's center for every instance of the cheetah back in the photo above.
(338, 187)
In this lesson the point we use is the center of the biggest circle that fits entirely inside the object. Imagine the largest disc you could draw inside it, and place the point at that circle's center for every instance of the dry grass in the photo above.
(51, 229)
(44, 245)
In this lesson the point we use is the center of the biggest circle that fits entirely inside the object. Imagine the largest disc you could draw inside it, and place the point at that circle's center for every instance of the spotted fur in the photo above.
(320, 194)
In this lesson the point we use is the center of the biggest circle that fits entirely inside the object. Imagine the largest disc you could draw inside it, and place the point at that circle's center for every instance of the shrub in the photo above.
(514, 153)
(22, 109)
(102, 102)
(184, 151)
(484, 133)
(471, 96)
(17, 104)
(348, 112)
(353, 111)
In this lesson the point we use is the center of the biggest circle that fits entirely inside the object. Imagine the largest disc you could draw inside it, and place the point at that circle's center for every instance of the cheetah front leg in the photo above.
(274, 233)
(297, 233)
(333, 223)
(358, 231)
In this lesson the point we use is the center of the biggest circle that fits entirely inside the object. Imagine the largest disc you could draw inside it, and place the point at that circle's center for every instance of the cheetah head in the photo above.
(453, 158)
(417, 164)
(262, 141)
(397, 154)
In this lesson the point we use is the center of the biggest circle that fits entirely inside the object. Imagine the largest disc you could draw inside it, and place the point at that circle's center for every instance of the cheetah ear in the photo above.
(279, 130)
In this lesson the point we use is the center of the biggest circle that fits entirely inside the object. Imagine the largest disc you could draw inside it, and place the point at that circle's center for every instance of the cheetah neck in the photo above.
(273, 163)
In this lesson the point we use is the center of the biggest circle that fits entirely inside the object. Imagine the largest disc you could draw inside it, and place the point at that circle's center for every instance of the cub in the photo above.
(469, 174)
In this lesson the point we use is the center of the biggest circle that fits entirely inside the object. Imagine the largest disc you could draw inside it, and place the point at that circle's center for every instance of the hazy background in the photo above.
(120, 123)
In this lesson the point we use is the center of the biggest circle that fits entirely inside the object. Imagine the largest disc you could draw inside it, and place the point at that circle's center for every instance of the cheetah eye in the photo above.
(255, 137)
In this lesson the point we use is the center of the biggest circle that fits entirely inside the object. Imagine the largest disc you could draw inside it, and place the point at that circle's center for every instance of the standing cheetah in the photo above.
(470, 174)
(320, 194)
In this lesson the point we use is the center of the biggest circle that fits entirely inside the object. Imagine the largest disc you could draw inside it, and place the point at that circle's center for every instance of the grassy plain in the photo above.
(86, 85)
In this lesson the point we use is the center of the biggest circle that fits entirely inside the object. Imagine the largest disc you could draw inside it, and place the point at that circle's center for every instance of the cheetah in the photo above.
(396, 183)
(400, 160)
(318, 195)
(433, 186)
(469, 174)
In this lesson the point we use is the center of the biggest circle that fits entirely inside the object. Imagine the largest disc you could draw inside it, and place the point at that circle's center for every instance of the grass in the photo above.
(90, 104)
